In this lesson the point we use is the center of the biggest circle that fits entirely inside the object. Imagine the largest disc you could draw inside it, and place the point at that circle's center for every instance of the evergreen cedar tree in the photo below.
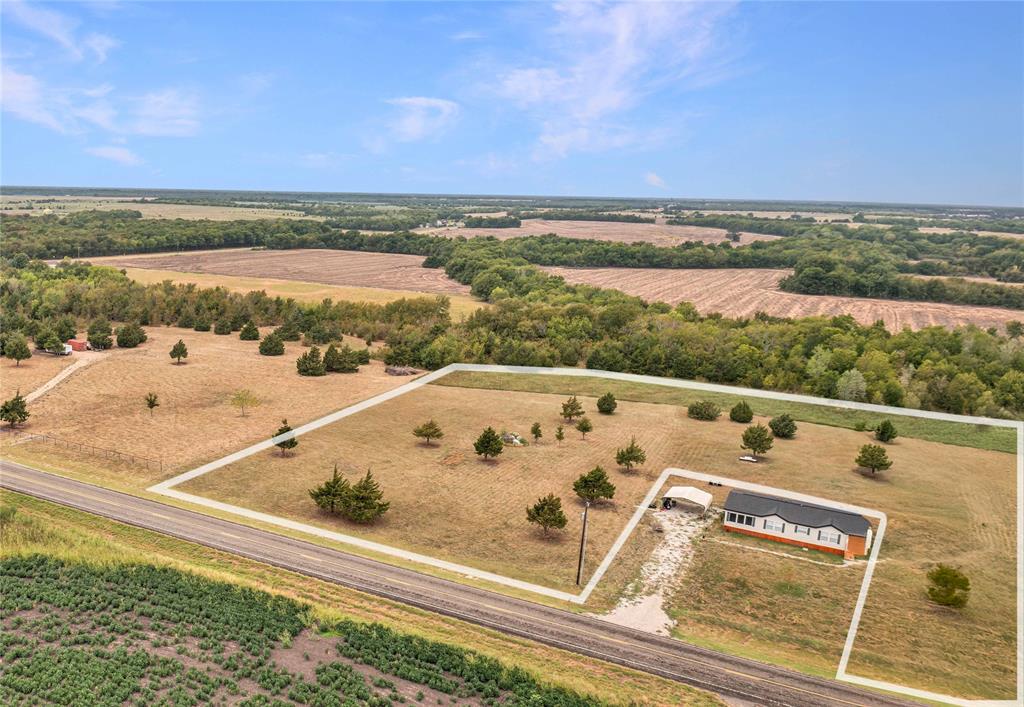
(428, 430)
(179, 351)
(362, 502)
(249, 332)
(757, 439)
(630, 455)
(285, 444)
(874, 457)
(310, 363)
(202, 323)
(222, 327)
(488, 444)
(703, 410)
(741, 412)
(330, 494)
(584, 426)
(47, 340)
(99, 334)
(343, 359)
(783, 426)
(536, 432)
(272, 345)
(606, 404)
(571, 409)
(130, 335)
(547, 513)
(559, 433)
(14, 411)
(948, 586)
(16, 347)
(886, 431)
(594, 486)
(151, 402)
(289, 331)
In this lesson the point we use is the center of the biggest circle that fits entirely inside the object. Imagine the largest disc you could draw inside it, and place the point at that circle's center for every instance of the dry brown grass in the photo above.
(31, 374)
(69, 204)
(103, 404)
(387, 271)
(744, 291)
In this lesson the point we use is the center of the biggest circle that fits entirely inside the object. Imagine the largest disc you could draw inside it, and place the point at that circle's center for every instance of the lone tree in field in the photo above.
(948, 586)
(584, 426)
(488, 444)
(249, 332)
(364, 502)
(547, 513)
(886, 431)
(757, 439)
(536, 432)
(783, 426)
(428, 430)
(310, 363)
(559, 434)
(741, 412)
(606, 404)
(243, 399)
(704, 410)
(630, 455)
(152, 402)
(16, 347)
(594, 486)
(179, 351)
(272, 345)
(330, 496)
(874, 457)
(14, 411)
(571, 409)
(99, 334)
(285, 445)
(130, 335)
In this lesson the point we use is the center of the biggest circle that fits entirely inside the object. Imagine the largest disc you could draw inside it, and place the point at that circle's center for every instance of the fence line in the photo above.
(135, 459)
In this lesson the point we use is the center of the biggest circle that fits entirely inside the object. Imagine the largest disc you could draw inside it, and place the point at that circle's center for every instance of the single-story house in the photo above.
(797, 523)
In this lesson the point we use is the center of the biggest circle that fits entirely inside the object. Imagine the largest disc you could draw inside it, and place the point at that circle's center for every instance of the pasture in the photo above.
(42, 205)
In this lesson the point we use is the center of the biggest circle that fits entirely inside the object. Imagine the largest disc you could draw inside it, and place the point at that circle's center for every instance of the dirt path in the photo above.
(82, 359)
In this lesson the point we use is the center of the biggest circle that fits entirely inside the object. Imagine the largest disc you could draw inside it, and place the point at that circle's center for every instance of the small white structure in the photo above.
(689, 494)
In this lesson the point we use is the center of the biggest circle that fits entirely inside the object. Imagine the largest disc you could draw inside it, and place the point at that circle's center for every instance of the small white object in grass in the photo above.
(746, 458)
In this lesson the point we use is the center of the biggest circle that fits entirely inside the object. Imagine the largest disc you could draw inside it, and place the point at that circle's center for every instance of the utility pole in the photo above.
(583, 545)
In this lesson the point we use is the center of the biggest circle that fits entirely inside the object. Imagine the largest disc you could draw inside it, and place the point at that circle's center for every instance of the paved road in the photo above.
(740, 679)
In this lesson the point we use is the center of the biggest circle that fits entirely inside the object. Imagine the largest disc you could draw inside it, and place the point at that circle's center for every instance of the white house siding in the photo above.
(790, 531)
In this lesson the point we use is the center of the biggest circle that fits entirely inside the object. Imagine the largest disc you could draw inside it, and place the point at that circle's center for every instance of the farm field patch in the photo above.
(741, 292)
(70, 204)
(31, 374)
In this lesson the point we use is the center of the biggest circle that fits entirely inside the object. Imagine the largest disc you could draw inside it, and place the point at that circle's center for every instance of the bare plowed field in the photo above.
(332, 267)
(657, 233)
(743, 292)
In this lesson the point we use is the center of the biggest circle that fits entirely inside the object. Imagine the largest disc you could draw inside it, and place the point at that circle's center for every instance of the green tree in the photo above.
(249, 332)
(310, 363)
(341, 359)
(873, 457)
(285, 445)
(47, 340)
(222, 327)
(783, 426)
(178, 352)
(606, 404)
(536, 431)
(948, 586)
(851, 386)
(488, 444)
(65, 328)
(99, 334)
(741, 412)
(130, 335)
(244, 399)
(559, 434)
(14, 411)
(584, 426)
(886, 431)
(631, 455)
(332, 494)
(571, 409)
(703, 410)
(428, 430)
(364, 503)
(1009, 390)
(16, 347)
(202, 322)
(152, 402)
(1014, 329)
(757, 439)
(272, 345)
(547, 513)
(594, 485)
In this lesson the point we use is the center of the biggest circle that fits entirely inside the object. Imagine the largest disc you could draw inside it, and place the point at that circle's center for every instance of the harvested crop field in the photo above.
(743, 292)
(659, 234)
(331, 267)
(42, 205)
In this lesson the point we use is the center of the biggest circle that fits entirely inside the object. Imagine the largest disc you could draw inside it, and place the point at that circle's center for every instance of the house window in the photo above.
(775, 526)
(801, 530)
(731, 517)
(828, 536)
(739, 518)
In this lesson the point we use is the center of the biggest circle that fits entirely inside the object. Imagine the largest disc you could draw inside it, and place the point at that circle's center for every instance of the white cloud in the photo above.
(100, 45)
(605, 58)
(121, 155)
(60, 29)
(23, 96)
(167, 113)
(421, 117)
(467, 36)
(322, 160)
(654, 180)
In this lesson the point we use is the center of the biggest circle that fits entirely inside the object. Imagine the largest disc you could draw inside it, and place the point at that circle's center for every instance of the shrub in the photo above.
(99, 334)
(202, 323)
(948, 586)
(783, 426)
(886, 431)
(272, 345)
(741, 412)
(249, 332)
(630, 455)
(703, 410)
(130, 335)
(222, 327)
(606, 404)
(311, 363)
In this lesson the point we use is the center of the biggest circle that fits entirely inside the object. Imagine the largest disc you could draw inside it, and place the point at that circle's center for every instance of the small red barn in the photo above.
(77, 345)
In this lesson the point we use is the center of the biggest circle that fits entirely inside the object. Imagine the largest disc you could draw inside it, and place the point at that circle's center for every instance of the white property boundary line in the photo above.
(165, 488)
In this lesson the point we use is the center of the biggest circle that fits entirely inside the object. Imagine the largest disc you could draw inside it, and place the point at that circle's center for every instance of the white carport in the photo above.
(691, 495)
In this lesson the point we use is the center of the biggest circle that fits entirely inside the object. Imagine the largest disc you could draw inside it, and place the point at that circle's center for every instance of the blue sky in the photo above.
(915, 102)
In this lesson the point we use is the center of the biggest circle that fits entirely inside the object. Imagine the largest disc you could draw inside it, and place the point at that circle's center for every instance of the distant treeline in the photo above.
(1001, 225)
(492, 222)
(580, 215)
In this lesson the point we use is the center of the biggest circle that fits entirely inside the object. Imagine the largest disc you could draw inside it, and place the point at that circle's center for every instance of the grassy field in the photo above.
(1000, 439)
(31, 374)
(61, 205)
(40, 527)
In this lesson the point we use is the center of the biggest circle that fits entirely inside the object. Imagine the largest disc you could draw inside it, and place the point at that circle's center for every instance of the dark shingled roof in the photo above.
(798, 512)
